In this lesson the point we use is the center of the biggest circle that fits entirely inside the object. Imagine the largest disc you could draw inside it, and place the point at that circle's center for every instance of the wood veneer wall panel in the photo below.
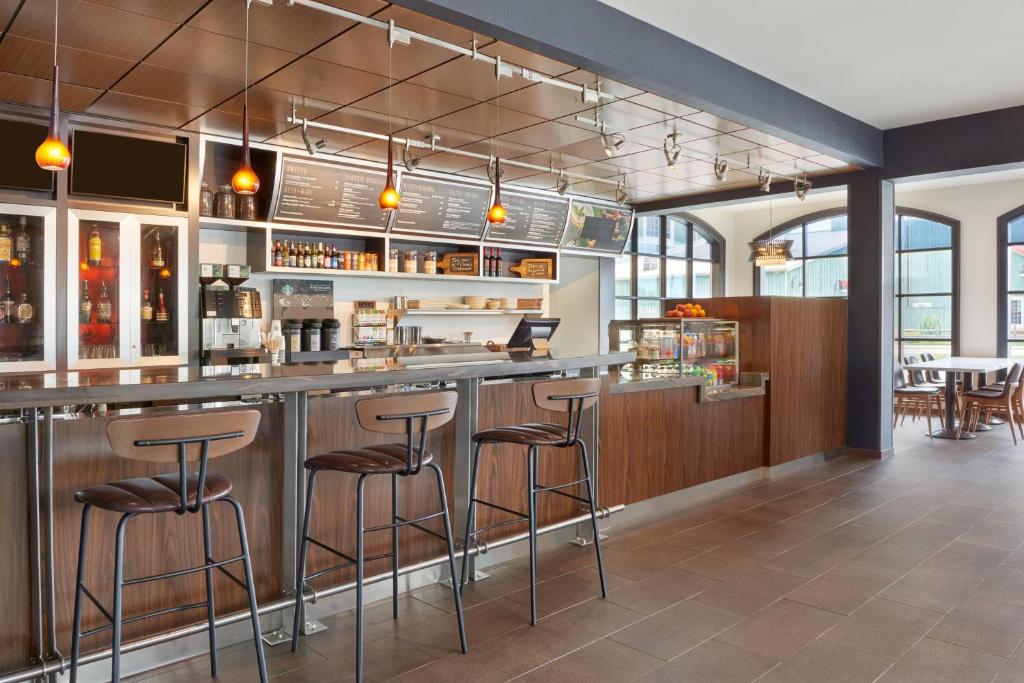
(158, 543)
(754, 316)
(333, 426)
(15, 598)
(503, 469)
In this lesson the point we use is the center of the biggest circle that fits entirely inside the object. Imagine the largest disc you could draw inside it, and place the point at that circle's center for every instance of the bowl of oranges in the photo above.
(686, 311)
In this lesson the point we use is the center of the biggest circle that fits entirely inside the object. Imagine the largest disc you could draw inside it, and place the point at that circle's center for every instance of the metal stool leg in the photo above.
(469, 515)
(210, 610)
(451, 557)
(593, 517)
(250, 588)
(532, 476)
(394, 546)
(76, 628)
(115, 659)
(359, 577)
(300, 570)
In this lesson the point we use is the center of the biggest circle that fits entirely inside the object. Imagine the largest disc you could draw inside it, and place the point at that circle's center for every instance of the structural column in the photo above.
(871, 217)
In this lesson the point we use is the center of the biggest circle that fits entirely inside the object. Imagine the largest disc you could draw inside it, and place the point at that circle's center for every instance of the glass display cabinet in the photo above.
(28, 288)
(128, 304)
(678, 347)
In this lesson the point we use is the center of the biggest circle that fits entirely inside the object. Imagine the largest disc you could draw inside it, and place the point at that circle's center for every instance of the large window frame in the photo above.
(694, 227)
(800, 222)
(954, 293)
(1003, 290)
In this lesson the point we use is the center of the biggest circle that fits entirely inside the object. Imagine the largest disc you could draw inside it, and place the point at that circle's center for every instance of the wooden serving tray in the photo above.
(460, 263)
(535, 268)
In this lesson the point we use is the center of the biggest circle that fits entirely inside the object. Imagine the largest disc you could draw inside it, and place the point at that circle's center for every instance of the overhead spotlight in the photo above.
(620, 193)
(311, 146)
(764, 180)
(563, 183)
(611, 143)
(410, 160)
(801, 186)
(672, 149)
(721, 168)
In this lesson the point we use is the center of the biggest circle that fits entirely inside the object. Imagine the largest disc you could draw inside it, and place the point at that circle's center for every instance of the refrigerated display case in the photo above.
(28, 288)
(707, 349)
(127, 296)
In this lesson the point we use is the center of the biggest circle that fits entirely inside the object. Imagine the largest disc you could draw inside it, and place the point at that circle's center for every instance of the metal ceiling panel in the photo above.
(158, 83)
(450, 163)
(36, 91)
(663, 105)
(593, 189)
(760, 156)
(481, 119)
(796, 167)
(169, 10)
(94, 28)
(212, 54)
(654, 134)
(325, 81)
(230, 125)
(719, 144)
(548, 135)
(716, 122)
(272, 104)
(469, 78)
(545, 101)
(531, 60)
(555, 159)
(686, 168)
(736, 178)
(35, 58)
(144, 110)
(593, 150)
(758, 137)
(449, 137)
(645, 160)
(829, 162)
(413, 103)
(507, 150)
(598, 169)
(584, 77)
(796, 150)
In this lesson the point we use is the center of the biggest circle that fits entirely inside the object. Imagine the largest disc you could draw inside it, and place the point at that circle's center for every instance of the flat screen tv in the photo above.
(19, 171)
(124, 167)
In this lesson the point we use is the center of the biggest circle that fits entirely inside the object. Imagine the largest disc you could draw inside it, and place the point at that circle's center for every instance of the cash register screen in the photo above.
(532, 329)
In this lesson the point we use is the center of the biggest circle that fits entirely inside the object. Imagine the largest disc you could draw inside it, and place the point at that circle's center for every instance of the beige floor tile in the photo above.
(826, 661)
(826, 517)
(927, 536)
(573, 628)
(983, 625)
(841, 590)
(712, 661)
(749, 590)
(661, 590)
(960, 516)
(995, 535)
(810, 559)
(967, 559)
(883, 628)
(644, 561)
(708, 536)
(675, 630)
(1005, 584)
(932, 588)
(495, 660)
(605, 660)
(779, 630)
(933, 661)
(895, 514)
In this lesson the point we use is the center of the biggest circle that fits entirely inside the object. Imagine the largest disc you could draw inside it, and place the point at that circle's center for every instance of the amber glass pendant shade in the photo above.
(389, 197)
(245, 181)
(53, 154)
(497, 214)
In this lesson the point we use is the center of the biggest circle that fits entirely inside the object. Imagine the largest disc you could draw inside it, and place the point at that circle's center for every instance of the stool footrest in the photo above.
(181, 572)
(345, 565)
(517, 513)
(563, 493)
(404, 522)
(539, 489)
(413, 523)
(331, 550)
(146, 615)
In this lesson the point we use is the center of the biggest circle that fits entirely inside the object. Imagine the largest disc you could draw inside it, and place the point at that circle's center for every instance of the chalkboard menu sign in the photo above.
(330, 194)
(532, 219)
(597, 227)
(437, 207)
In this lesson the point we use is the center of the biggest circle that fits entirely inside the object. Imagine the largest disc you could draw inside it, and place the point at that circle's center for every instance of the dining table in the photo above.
(952, 367)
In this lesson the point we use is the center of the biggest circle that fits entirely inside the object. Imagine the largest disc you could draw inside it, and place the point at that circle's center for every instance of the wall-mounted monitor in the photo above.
(125, 167)
(597, 227)
(19, 171)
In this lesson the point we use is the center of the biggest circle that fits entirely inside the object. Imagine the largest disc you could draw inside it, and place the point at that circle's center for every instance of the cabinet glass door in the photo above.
(161, 292)
(27, 288)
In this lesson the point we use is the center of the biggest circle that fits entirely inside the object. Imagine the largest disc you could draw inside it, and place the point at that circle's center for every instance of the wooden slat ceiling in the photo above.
(178, 63)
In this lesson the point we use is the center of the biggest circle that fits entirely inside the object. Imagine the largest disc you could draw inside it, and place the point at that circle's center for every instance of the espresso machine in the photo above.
(231, 316)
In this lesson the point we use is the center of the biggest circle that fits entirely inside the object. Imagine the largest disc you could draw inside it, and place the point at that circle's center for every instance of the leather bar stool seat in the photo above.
(392, 458)
(153, 494)
(531, 434)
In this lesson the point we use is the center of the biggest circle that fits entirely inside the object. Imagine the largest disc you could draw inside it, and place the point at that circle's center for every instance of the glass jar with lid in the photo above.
(224, 204)
(410, 261)
(430, 262)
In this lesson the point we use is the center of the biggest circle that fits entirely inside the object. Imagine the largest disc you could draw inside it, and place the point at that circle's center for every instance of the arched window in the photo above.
(818, 267)
(1010, 266)
(668, 257)
(927, 284)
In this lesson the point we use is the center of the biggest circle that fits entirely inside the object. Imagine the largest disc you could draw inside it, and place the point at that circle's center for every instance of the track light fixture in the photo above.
(672, 149)
(764, 180)
(409, 160)
(563, 183)
(52, 154)
(721, 168)
(312, 146)
(611, 143)
(620, 193)
(801, 186)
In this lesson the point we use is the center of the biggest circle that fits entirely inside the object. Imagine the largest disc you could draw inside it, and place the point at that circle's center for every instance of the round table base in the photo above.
(982, 427)
(951, 434)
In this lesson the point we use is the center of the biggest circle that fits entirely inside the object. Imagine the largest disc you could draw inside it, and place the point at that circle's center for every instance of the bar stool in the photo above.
(571, 396)
(412, 415)
(181, 438)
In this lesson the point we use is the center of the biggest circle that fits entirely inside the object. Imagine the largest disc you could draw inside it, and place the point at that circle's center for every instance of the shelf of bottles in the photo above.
(99, 310)
(27, 287)
(158, 277)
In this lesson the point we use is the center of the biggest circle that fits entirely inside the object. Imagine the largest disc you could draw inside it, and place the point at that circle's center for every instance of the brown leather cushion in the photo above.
(916, 391)
(388, 458)
(532, 434)
(984, 393)
(156, 494)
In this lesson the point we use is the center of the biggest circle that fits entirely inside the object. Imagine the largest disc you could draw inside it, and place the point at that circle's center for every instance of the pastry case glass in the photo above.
(678, 347)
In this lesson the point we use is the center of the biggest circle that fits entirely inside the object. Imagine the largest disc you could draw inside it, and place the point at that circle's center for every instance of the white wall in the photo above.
(575, 300)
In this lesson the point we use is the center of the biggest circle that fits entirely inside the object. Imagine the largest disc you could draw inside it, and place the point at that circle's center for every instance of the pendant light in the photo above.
(53, 154)
(770, 252)
(245, 181)
(389, 197)
(497, 213)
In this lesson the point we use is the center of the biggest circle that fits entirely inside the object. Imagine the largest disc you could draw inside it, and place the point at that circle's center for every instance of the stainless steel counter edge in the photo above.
(751, 384)
(52, 389)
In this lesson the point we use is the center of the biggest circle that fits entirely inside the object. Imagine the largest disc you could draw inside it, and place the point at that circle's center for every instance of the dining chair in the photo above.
(1005, 402)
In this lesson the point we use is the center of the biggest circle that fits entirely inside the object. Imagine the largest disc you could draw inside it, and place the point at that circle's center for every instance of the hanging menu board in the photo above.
(436, 207)
(532, 219)
(597, 227)
(330, 194)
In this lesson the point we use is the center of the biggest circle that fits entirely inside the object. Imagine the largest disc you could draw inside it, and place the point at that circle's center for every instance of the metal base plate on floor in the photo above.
(477, 576)
(583, 542)
(283, 635)
(951, 434)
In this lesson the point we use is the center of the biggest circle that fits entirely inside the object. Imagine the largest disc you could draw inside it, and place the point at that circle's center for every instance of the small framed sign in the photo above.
(460, 264)
(535, 268)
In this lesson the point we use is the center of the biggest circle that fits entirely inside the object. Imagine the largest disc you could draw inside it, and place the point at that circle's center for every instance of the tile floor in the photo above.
(908, 569)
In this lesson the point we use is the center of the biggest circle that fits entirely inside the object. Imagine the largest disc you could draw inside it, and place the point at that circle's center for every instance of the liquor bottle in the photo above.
(95, 248)
(9, 304)
(6, 247)
(293, 256)
(104, 307)
(334, 257)
(487, 261)
(307, 257)
(25, 310)
(319, 254)
(499, 265)
(161, 307)
(277, 254)
(156, 254)
(23, 242)
(147, 308)
(85, 305)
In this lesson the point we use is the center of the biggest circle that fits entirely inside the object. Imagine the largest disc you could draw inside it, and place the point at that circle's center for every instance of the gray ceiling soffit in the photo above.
(593, 36)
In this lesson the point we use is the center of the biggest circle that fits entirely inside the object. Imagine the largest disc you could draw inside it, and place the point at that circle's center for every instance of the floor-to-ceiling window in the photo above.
(668, 257)
(926, 284)
(1011, 283)
(818, 266)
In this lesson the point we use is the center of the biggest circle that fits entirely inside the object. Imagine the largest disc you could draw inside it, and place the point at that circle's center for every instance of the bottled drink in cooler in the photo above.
(23, 242)
(85, 305)
(95, 248)
(6, 245)
(104, 307)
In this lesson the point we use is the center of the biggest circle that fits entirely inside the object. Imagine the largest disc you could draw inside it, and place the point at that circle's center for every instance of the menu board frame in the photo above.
(548, 196)
(349, 163)
(444, 179)
(595, 250)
